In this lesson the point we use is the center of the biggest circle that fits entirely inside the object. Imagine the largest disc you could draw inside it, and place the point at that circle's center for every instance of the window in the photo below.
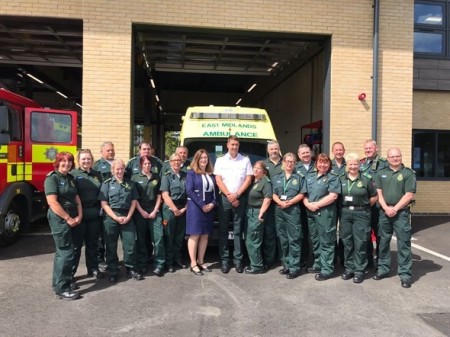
(431, 28)
(51, 127)
(431, 154)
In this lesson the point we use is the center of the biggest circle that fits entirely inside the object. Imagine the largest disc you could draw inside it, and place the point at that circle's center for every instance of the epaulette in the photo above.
(166, 161)
(50, 173)
(410, 169)
(267, 179)
(334, 174)
(108, 180)
(365, 174)
(382, 159)
(167, 172)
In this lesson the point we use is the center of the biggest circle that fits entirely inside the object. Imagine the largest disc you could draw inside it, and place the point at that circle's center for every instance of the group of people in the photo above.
(276, 205)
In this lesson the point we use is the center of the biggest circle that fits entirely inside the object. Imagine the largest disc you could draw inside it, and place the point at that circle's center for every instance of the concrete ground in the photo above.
(182, 304)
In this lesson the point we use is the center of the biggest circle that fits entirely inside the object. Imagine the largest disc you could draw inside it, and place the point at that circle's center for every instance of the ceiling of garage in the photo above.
(177, 59)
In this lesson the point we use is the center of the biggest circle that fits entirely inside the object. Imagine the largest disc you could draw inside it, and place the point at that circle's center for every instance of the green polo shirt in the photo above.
(148, 189)
(274, 169)
(357, 192)
(88, 185)
(258, 191)
(301, 169)
(395, 184)
(319, 186)
(175, 185)
(133, 166)
(118, 195)
(104, 167)
(63, 186)
(289, 187)
(339, 171)
(371, 167)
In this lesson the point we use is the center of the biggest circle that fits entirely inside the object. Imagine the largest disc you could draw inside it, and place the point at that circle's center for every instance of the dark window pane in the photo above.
(443, 155)
(424, 154)
(431, 43)
(428, 14)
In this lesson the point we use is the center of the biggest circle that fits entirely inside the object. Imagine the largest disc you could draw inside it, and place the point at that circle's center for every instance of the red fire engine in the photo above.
(30, 138)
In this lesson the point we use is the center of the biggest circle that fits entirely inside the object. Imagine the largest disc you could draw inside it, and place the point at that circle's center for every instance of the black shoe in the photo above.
(322, 277)
(312, 270)
(239, 268)
(358, 279)
(68, 295)
(406, 284)
(284, 270)
(378, 277)
(97, 274)
(113, 279)
(74, 286)
(143, 271)
(195, 272)
(347, 275)
(171, 269)
(293, 275)
(202, 267)
(225, 268)
(180, 265)
(251, 271)
(158, 271)
(134, 274)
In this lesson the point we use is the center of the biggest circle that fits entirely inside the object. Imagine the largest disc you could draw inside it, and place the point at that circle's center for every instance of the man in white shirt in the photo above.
(233, 174)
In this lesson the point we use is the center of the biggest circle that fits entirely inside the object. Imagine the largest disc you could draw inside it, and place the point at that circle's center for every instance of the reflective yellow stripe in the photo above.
(24, 171)
(46, 153)
(3, 153)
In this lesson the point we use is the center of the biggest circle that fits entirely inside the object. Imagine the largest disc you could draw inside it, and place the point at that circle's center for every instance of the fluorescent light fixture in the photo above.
(35, 78)
(157, 98)
(238, 101)
(152, 83)
(78, 104)
(160, 107)
(252, 87)
(61, 94)
(20, 75)
(274, 64)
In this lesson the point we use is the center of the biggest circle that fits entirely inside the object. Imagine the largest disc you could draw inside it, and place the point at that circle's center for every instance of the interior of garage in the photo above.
(174, 68)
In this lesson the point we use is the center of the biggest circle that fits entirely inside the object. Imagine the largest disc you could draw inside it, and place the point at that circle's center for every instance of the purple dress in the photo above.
(198, 222)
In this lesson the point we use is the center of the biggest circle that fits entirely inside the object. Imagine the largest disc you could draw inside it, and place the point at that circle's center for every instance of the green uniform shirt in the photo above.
(274, 169)
(118, 195)
(371, 167)
(258, 191)
(104, 167)
(339, 171)
(133, 166)
(175, 185)
(395, 184)
(289, 187)
(63, 186)
(357, 192)
(301, 169)
(148, 189)
(184, 167)
(317, 187)
(88, 185)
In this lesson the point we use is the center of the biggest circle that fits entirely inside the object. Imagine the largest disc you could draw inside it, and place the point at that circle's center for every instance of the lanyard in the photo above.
(350, 186)
(285, 186)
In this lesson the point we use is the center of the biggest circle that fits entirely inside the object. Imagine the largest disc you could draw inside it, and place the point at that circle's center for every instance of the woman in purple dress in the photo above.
(201, 192)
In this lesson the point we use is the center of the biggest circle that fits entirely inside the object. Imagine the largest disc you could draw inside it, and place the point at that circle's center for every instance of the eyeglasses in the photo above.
(394, 157)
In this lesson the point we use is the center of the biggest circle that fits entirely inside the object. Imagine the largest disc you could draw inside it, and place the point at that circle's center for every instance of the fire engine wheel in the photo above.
(12, 225)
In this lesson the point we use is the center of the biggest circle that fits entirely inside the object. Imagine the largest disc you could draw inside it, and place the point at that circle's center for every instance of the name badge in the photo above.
(348, 198)
(283, 197)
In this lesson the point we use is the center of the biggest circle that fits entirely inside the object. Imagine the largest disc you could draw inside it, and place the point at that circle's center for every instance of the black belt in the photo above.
(120, 210)
(91, 204)
(356, 208)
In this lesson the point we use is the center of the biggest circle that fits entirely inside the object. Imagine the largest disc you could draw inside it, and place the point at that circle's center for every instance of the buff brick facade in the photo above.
(107, 69)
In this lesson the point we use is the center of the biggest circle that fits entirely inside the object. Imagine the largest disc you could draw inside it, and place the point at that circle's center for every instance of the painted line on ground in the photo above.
(426, 250)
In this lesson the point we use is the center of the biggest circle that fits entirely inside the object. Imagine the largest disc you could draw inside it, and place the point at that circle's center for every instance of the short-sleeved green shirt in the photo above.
(148, 189)
(339, 171)
(258, 191)
(133, 166)
(318, 187)
(373, 166)
(118, 195)
(357, 192)
(301, 169)
(104, 167)
(289, 187)
(175, 185)
(395, 184)
(63, 186)
(186, 166)
(88, 185)
(274, 169)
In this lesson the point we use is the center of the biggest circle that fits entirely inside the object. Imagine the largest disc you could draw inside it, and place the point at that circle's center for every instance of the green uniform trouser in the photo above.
(88, 232)
(269, 241)
(323, 237)
(146, 228)
(402, 226)
(289, 231)
(174, 233)
(354, 231)
(254, 238)
(64, 255)
(127, 234)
